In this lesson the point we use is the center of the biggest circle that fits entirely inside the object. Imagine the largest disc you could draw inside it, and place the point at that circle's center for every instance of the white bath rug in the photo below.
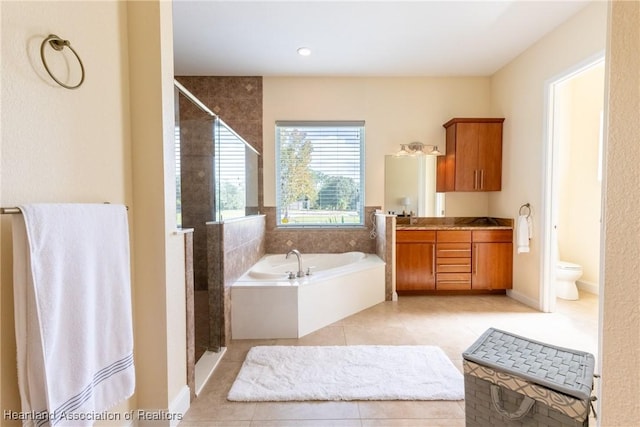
(363, 372)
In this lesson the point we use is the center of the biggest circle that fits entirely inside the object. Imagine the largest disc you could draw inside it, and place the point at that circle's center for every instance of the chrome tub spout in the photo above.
(299, 256)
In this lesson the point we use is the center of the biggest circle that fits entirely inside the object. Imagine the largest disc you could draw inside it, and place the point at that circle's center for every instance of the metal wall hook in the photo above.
(58, 44)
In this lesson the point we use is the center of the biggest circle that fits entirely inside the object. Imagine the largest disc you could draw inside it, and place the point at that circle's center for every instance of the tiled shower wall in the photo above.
(196, 164)
(238, 102)
(233, 247)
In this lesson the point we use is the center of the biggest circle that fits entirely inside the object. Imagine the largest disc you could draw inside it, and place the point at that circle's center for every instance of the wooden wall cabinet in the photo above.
(473, 159)
(415, 260)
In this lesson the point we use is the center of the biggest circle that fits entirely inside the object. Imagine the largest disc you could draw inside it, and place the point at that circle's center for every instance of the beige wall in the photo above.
(159, 251)
(396, 111)
(620, 327)
(518, 93)
(579, 187)
(60, 145)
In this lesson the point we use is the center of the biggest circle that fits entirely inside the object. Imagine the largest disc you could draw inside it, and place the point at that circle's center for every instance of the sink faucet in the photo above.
(299, 256)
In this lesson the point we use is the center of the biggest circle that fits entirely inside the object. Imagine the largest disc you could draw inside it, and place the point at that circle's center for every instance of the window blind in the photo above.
(320, 173)
(231, 182)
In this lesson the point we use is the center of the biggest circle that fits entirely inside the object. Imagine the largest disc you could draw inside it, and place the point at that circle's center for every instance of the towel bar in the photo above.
(9, 211)
(16, 210)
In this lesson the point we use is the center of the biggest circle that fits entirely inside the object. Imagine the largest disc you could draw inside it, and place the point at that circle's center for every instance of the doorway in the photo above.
(574, 147)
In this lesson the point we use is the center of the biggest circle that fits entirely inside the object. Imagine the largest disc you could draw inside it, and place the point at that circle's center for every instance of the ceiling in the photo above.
(358, 38)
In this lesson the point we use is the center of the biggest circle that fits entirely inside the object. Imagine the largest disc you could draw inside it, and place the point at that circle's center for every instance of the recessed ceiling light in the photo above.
(304, 51)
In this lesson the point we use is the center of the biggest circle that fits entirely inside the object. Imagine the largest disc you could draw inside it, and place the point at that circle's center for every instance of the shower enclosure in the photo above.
(216, 181)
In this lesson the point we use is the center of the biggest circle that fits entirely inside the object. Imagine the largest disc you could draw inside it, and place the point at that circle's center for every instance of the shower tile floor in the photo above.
(450, 322)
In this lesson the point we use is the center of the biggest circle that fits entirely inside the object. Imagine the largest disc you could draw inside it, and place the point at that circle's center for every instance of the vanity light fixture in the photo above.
(418, 149)
(304, 51)
(435, 152)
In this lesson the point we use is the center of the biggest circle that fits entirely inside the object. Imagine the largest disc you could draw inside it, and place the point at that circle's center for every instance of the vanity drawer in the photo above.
(453, 250)
(453, 236)
(415, 236)
(492, 236)
(453, 265)
(453, 281)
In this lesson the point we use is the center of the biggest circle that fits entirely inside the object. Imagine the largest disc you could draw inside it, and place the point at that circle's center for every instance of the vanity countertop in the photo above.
(453, 227)
(453, 223)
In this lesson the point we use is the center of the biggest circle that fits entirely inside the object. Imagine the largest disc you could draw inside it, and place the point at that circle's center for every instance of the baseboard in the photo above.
(592, 288)
(523, 299)
(180, 404)
(165, 418)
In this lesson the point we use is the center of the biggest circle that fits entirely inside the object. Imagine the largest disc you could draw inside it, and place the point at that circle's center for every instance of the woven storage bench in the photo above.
(510, 381)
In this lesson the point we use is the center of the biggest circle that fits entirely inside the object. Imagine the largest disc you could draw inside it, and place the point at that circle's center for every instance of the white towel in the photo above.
(523, 233)
(73, 311)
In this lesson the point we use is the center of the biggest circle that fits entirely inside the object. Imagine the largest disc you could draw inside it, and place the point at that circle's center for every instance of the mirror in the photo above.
(410, 186)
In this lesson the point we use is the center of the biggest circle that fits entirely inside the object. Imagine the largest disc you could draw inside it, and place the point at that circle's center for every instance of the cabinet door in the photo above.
(415, 265)
(466, 157)
(446, 165)
(489, 166)
(492, 266)
(443, 184)
(473, 161)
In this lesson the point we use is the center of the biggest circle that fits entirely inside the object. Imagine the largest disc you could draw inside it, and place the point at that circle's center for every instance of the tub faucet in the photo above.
(299, 256)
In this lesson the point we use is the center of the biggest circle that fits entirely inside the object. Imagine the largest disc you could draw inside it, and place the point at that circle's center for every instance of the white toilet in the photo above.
(566, 275)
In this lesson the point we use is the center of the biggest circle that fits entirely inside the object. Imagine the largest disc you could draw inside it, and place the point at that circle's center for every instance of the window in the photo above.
(229, 167)
(320, 173)
(235, 169)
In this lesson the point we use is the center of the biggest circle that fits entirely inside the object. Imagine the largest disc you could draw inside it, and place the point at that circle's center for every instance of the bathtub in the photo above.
(266, 304)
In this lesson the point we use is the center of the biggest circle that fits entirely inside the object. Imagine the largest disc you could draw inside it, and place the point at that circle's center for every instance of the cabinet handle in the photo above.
(433, 260)
(482, 179)
(475, 179)
(476, 255)
(454, 250)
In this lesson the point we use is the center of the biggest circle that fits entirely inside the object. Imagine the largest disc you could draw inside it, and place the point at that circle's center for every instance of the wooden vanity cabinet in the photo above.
(473, 159)
(492, 259)
(429, 261)
(415, 260)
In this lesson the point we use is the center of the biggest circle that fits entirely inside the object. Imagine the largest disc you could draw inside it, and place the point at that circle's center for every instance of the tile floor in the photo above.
(453, 323)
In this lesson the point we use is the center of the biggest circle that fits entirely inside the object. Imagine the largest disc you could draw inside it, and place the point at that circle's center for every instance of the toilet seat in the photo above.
(569, 265)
